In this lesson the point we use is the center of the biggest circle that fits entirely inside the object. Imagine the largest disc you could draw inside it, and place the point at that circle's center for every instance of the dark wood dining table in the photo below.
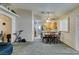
(50, 37)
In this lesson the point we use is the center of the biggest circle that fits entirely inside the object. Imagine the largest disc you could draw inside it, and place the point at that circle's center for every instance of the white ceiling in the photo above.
(58, 8)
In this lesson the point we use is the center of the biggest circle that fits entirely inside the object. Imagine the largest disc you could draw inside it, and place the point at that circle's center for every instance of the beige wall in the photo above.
(5, 28)
(69, 38)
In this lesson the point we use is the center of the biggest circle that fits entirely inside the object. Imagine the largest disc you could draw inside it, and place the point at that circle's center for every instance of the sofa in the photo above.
(6, 48)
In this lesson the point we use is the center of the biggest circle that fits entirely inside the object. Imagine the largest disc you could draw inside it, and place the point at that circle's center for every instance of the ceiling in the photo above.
(58, 8)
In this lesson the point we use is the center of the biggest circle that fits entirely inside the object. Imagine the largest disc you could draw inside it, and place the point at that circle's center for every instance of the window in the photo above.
(63, 25)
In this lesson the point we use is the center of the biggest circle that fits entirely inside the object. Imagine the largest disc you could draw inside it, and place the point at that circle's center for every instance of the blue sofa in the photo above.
(6, 48)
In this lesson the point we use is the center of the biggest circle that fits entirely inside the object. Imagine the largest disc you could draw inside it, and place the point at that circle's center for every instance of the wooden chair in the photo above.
(57, 38)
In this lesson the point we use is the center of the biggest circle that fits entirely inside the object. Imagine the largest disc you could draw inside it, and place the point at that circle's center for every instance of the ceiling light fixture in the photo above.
(50, 15)
(48, 21)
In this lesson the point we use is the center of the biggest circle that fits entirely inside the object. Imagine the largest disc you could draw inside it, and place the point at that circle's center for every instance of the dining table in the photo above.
(50, 36)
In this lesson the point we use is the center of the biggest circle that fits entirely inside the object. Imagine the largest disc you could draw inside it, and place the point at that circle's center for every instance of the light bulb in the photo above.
(48, 21)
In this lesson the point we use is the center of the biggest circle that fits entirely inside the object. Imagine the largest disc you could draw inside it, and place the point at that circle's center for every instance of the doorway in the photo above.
(37, 29)
(5, 27)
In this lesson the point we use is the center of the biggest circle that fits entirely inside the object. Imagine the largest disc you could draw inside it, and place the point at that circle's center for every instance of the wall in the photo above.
(24, 22)
(69, 38)
(77, 32)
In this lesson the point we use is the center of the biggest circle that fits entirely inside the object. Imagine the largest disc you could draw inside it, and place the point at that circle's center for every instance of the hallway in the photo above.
(39, 48)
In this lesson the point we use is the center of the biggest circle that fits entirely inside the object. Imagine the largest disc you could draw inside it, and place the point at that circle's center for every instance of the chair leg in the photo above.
(55, 40)
(49, 40)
